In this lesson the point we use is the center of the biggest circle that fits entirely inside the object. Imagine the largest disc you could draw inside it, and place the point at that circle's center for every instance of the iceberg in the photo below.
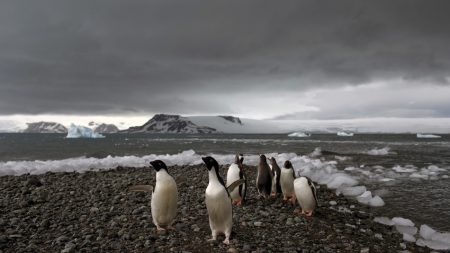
(299, 134)
(427, 136)
(344, 134)
(381, 151)
(82, 132)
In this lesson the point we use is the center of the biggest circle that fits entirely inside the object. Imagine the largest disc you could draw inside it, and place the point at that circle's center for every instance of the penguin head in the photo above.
(239, 159)
(272, 160)
(288, 165)
(158, 165)
(210, 162)
(262, 158)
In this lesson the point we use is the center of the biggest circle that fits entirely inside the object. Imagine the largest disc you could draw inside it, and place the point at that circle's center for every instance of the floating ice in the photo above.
(428, 136)
(407, 169)
(408, 238)
(426, 232)
(351, 191)
(402, 222)
(381, 151)
(376, 201)
(82, 132)
(384, 220)
(317, 152)
(344, 134)
(340, 179)
(299, 134)
(406, 229)
(367, 199)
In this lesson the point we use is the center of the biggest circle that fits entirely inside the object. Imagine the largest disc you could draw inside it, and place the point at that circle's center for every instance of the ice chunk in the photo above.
(381, 151)
(299, 134)
(82, 132)
(436, 245)
(408, 238)
(340, 179)
(351, 191)
(426, 232)
(402, 222)
(411, 230)
(427, 136)
(384, 220)
(376, 201)
(442, 237)
(344, 134)
(365, 197)
(407, 169)
(317, 152)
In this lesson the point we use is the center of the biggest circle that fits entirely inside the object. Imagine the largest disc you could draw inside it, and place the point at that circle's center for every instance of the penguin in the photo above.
(287, 178)
(305, 192)
(264, 177)
(276, 172)
(218, 201)
(236, 172)
(164, 197)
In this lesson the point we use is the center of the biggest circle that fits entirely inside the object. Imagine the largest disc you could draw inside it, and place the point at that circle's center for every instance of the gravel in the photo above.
(93, 212)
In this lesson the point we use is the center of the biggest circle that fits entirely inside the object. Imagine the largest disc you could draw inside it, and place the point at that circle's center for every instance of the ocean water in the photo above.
(411, 175)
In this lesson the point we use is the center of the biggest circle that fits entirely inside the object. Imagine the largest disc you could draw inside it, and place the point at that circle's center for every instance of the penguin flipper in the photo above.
(235, 184)
(313, 190)
(141, 188)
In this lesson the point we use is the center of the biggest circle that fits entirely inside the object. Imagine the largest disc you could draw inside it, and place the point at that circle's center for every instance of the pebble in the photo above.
(257, 223)
(84, 213)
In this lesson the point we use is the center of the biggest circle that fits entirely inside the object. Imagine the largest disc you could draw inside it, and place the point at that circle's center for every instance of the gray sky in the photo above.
(257, 59)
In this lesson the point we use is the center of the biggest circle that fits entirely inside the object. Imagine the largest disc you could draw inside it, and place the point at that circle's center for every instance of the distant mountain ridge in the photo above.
(167, 123)
(45, 127)
(106, 129)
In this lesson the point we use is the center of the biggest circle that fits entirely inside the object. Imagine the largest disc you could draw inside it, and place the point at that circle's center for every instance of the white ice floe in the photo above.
(380, 151)
(82, 132)
(384, 220)
(367, 199)
(316, 153)
(427, 136)
(408, 238)
(402, 222)
(344, 134)
(351, 191)
(299, 134)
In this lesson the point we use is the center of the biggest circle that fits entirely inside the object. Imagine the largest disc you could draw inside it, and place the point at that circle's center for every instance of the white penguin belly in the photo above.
(164, 201)
(219, 209)
(232, 176)
(304, 194)
(287, 182)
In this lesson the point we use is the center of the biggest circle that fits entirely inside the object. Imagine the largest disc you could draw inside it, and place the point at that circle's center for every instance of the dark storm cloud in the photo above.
(84, 57)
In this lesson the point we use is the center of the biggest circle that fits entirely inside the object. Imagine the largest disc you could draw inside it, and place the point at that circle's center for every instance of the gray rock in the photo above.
(69, 248)
(257, 223)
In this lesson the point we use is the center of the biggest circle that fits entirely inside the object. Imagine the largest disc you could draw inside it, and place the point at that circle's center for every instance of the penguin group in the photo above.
(271, 181)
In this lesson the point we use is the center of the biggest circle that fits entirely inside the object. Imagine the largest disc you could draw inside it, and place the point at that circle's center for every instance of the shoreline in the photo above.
(92, 211)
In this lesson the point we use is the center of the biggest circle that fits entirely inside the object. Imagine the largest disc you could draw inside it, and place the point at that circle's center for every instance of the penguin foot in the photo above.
(239, 203)
(171, 228)
(309, 214)
(160, 229)
(226, 241)
(285, 199)
(212, 239)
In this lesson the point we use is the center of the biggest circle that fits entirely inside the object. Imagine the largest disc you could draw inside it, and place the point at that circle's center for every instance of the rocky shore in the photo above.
(93, 212)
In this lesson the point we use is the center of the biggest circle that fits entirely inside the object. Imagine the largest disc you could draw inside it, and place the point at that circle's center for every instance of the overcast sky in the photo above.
(255, 59)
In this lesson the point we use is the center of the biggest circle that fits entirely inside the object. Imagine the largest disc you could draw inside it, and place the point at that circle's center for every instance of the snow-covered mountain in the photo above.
(106, 129)
(164, 123)
(45, 127)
